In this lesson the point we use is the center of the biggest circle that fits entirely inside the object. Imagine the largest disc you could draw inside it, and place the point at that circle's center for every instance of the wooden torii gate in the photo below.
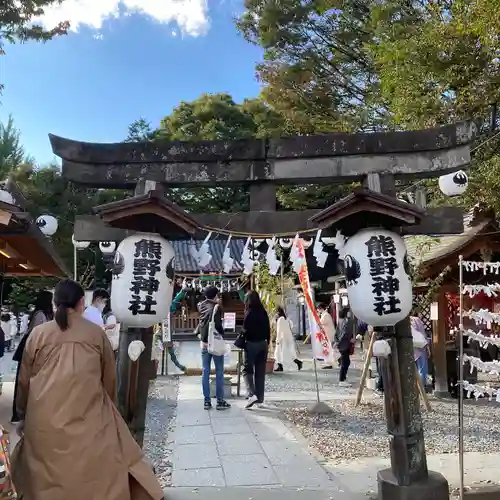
(378, 160)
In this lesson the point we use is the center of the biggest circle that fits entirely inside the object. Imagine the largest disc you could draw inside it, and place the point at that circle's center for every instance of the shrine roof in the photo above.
(427, 251)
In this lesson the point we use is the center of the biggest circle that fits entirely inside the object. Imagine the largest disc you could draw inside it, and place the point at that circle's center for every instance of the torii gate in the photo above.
(376, 159)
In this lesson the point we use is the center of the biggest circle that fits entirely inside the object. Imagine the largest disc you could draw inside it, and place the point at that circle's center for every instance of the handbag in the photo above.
(419, 340)
(7, 489)
(216, 343)
(240, 342)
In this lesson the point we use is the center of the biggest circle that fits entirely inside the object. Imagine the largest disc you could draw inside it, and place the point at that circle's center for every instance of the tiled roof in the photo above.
(185, 263)
(428, 249)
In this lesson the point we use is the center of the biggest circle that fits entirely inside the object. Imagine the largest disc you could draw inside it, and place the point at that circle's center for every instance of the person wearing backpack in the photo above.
(211, 314)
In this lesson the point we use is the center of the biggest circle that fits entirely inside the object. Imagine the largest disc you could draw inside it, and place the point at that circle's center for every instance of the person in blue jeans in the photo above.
(207, 308)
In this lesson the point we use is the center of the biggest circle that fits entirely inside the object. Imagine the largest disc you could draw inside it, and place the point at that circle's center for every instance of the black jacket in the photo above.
(256, 326)
(205, 309)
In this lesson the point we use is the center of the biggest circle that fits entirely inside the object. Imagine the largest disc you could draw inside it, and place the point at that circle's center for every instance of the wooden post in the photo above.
(366, 369)
(138, 412)
(439, 348)
(404, 424)
(133, 394)
(123, 368)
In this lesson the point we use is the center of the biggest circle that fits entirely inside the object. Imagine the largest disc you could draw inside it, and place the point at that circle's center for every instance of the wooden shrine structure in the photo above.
(24, 250)
(377, 160)
(479, 241)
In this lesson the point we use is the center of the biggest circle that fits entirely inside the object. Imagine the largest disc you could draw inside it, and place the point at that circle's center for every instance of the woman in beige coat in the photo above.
(75, 444)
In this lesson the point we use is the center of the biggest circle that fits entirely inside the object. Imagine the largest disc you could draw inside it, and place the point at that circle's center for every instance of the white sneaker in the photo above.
(251, 401)
(344, 384)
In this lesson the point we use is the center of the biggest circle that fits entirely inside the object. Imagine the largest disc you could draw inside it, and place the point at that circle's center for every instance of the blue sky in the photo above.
(120, 62)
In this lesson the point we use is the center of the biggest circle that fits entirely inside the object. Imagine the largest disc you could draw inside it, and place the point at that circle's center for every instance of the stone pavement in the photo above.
(239, 447)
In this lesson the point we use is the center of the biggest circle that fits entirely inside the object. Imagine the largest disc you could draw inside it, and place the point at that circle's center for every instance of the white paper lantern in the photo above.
(377, 277)
(143, 280)
(454, 184)
(80, 245)
(381, 349)
(107, 247)
(47, 224)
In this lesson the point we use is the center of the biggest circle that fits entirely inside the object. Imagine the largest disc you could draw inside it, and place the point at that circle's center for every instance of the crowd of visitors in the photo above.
(65, 361)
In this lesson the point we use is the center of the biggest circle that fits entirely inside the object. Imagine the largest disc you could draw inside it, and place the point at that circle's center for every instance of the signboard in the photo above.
(166, 333)
(229, 321)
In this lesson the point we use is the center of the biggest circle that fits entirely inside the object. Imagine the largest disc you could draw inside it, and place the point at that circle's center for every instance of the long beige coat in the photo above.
(76, 445)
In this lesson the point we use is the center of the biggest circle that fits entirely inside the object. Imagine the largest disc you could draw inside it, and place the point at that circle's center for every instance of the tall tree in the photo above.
(437, 61)
(13, 158)
(18, 22)
(316, 71)
(140, 130)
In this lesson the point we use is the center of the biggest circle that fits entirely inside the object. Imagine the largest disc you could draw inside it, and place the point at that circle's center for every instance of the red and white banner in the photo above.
(321, 346)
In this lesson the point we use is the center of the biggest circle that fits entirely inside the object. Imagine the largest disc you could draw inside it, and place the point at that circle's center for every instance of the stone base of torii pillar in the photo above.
(408, 478)
(433, 487)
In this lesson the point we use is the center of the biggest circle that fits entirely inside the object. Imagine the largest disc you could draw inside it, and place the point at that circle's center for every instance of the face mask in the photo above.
(101, 306)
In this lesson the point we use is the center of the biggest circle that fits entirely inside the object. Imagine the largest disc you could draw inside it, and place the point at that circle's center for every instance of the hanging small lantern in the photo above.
(107, 247)
(454, 184)
(286, 242)
(377, 274)
(47, 224)
(142, 285)
(80, 245)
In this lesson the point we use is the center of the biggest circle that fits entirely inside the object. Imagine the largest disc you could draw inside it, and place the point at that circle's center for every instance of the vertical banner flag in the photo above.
(321, 346)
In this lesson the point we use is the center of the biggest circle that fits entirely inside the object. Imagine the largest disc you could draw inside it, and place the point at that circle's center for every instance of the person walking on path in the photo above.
(343, 340)
(420, 348)
(285, 352)
(6, 325)
(257, 334)
(75, 445)
(210, 311)
(94, 312)
(42, 312)
(176, 302)
(328, 325)
(111, 326)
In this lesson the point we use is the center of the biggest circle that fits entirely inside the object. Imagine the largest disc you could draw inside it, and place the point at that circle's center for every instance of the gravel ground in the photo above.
(295, 381)
(162, 405)
(358, 432)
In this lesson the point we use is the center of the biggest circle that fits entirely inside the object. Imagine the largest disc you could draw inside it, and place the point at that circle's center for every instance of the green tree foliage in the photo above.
(316, 70)
(47, 192)
(13, 158)
(18, 22)
(437, 61)
(140, 130)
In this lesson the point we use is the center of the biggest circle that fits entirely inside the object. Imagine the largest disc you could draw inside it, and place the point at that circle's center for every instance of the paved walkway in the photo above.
(239, 447)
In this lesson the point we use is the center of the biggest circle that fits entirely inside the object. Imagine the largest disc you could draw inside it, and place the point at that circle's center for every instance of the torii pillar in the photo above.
(147, 211)
(408, 477)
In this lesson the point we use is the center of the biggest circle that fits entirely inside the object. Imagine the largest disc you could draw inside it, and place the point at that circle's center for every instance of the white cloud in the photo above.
(190, 15)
